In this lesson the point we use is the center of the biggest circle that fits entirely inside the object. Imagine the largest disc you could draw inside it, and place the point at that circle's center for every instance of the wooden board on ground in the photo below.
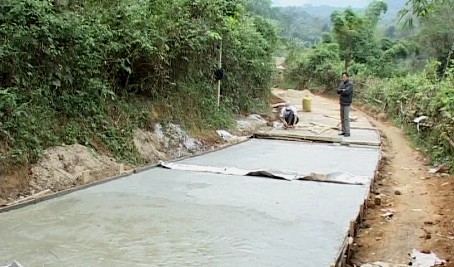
(296, 135)
(367, 137)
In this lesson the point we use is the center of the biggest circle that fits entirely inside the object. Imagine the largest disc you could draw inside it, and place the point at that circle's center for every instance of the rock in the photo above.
(377, 200)
(375, 192)
(397, 192)
(443, 168)
(388, 213)
(148, 145)
(251, 123)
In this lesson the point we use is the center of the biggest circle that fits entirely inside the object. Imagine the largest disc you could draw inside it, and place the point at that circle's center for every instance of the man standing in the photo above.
(345, 92)
(289, 115)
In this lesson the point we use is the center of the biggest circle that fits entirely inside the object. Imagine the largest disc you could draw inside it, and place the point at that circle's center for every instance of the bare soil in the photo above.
(421, 203)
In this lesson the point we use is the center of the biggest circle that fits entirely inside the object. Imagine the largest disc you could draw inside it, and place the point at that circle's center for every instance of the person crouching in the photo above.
(289, 115)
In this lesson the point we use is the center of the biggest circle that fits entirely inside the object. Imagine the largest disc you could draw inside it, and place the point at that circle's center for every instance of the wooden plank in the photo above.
(361, 213)
(300, 136)
(361, 143)
(338, 118)
(352, 228)
(340, 257)
(322, 138)
(31, 197)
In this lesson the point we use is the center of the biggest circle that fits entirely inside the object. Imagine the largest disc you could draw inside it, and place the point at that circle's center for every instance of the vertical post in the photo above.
(219, 66)
(448, 61)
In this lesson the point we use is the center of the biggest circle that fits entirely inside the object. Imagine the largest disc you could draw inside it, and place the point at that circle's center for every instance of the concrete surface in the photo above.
(166, 217)
(296, 157)
(173, 218)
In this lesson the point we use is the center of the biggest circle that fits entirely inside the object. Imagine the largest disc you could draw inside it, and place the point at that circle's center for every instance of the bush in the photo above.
(321, 65)
(68, 70)
(423, 94)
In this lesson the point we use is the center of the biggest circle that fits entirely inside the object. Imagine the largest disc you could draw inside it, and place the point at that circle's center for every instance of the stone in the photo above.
(377, 200)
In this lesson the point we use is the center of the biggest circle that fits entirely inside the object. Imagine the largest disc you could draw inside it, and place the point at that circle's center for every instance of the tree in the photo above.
(259, 7)
(418, 9)
(374, 11)
(347, 27)
(355, 33)
(437, 29)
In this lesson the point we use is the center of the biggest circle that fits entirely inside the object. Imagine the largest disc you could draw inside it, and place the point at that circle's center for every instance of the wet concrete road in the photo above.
(173, 218)
(297, 157)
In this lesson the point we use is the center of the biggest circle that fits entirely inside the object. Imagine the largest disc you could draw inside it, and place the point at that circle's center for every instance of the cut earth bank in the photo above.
(68, 166)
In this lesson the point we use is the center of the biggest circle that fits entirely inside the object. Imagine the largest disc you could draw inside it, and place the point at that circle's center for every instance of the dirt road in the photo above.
(422, 206)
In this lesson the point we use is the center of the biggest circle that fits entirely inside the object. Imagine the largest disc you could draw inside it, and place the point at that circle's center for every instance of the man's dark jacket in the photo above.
(346, 96)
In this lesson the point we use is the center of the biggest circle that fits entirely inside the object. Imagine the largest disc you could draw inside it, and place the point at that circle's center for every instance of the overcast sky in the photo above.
(336, 3)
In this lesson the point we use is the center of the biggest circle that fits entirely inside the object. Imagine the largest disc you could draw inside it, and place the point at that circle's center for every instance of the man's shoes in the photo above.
(346, 135)
(341, 133)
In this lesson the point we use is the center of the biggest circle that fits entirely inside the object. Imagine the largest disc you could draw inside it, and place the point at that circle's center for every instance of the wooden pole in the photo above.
(219, 81)
(448, 61)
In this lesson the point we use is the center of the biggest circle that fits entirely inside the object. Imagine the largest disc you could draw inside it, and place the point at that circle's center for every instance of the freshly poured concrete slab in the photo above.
(296, 157)
(172, 218)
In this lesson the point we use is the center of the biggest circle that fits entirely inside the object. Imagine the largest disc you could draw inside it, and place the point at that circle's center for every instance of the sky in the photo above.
(336, 3)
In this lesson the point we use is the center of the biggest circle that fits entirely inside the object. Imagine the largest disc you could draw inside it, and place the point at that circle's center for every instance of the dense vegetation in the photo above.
(92, 71)
(405, 69)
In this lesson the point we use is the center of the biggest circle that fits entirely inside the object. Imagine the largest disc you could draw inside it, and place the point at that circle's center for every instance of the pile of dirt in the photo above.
(63, 167)
(291, 94)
